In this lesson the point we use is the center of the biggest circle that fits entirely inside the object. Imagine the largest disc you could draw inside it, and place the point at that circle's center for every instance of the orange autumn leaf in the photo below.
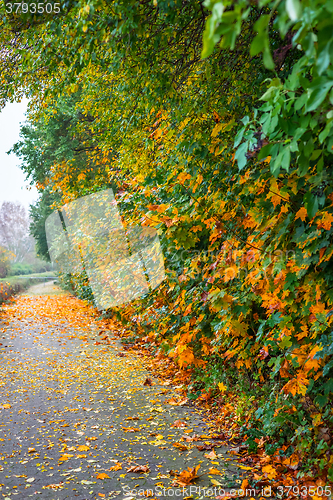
(138, 468)
(65, 456)
(102, 475)
(326, 221)
(83, 447)
(270, 471)
(186, 476)
(230, 273)
(118, 466)
(180, 446)
(301, 214)
(178, 424)
(215, 471)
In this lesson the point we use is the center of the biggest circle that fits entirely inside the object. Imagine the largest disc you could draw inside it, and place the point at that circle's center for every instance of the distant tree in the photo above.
(14, 230)
(5, 259)
(39, 213)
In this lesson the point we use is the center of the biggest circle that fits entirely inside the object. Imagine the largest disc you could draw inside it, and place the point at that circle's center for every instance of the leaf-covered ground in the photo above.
(80, 417)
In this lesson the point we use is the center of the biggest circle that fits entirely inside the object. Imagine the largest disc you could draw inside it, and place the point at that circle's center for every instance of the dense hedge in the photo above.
(230, 159)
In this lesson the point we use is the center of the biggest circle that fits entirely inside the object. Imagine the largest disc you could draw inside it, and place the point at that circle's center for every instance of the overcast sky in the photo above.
(13, 186)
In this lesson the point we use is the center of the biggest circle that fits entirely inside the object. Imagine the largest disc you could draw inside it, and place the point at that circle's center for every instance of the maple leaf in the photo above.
(102, 475)
(148, 381)
(222, 387)
(326, 221)
(178, 424)
(186, 476)
(211, 455)
(6, 405)
(230, 273)
(138, 468)
(301, 214)
(270, 471)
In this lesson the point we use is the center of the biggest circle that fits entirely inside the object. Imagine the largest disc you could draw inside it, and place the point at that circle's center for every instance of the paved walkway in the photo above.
(77, 420)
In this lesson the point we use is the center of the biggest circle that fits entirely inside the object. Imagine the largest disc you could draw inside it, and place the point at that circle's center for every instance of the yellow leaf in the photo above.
(222, 387)
(83, 447)
(6, 405)
(216, 483)
(65, 456)
(215, 471)
(217, 129)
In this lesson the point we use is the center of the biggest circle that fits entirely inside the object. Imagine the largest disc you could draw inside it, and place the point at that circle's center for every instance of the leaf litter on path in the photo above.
(68, 407)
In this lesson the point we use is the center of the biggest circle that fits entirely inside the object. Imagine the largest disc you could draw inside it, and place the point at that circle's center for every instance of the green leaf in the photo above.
(240, 155)
(267, 59)
(323, 59)
(311, 204)
(282, 160)
(257, 44)
(239, 137)
(294, 9)
(317, 96)
(210, 37)
(286, 342)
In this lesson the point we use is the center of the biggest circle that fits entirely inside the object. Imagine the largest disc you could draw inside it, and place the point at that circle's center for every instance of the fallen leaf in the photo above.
(30, 480)
(148, 381)
(211, 455)
(138, 468)
(176, 402)
(116, 467)
(216, 483)
(6, 405)
(270, 471)
(186, 476)
(31, 450)
(65, 456)
(205, 447)
(180, 446)
(102, 475)
(83, 447)
(178, 424)
(212, 470)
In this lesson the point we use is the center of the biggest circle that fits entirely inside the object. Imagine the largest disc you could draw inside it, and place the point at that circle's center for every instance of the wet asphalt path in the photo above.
(77, 421)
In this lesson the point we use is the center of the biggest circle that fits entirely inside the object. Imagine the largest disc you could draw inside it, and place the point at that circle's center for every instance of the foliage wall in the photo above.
(213, 123)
